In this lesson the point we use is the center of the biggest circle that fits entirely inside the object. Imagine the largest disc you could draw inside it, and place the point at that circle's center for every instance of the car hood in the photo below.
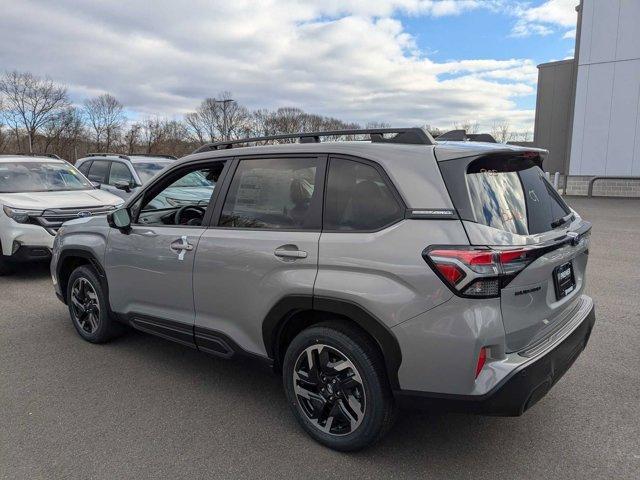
(65, 199)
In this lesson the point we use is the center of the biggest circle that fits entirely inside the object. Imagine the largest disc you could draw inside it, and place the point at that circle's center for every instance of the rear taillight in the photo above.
(482, 359)
(478, 271)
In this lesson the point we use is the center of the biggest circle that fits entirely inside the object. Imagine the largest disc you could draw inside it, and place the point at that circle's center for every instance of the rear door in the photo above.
(261, 247)
(505, 201)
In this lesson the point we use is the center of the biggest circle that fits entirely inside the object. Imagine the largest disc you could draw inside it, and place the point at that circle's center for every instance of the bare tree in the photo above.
(63, 133)
(152, 133)
(132, 137)
(501, 131)
(31, 102)
(194, 127)
(4, 137)
(106, 118)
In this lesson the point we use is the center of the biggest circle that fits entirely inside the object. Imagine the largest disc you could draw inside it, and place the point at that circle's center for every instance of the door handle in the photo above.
(289, 253)
(181, 246)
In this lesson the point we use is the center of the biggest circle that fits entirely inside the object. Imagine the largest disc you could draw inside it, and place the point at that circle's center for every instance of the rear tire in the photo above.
(336, 385)
(88, 307)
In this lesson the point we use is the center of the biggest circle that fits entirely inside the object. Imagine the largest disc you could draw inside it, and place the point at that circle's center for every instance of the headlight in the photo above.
(20, 215)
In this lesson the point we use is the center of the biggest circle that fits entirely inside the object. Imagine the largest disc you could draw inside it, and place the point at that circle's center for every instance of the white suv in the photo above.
(38, 194)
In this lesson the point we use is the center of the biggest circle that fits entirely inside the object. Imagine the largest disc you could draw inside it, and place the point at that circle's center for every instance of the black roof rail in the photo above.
(158, 155)
(413, 136)
(463, 136)
(107, 154)
(50, 155)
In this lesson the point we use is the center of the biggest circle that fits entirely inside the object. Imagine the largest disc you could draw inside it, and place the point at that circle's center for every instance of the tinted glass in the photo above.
(513, 196)
(358, 198)
(40, 177)
(98, 171)
(273, 193)
(119, 173)
(146, 170)
(84, 168)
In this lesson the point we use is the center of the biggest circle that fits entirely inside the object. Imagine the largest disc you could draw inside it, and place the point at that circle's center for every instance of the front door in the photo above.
(261, 247)
(150, 267)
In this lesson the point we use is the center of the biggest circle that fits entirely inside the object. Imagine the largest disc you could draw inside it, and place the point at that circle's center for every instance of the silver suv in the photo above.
(388, 271)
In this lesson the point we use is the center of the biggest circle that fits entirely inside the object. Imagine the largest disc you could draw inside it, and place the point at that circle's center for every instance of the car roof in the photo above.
(385, 151)
(29, 159)
(149, 159)
(128, 158)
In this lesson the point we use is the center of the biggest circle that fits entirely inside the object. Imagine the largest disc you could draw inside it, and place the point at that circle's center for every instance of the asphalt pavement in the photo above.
(141, 407)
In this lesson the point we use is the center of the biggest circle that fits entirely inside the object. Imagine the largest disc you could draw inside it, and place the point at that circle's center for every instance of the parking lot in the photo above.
(141, 407)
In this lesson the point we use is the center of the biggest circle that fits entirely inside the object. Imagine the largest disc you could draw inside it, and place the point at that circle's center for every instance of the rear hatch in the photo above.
(540, 244)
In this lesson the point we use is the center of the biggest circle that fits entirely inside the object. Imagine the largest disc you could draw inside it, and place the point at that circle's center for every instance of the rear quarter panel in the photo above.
(384, 271)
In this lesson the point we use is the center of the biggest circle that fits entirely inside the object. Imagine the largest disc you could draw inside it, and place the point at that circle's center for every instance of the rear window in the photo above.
(512, 194)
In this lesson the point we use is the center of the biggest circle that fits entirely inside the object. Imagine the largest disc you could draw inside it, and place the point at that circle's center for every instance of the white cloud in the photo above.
(545, 18)
(349, 59)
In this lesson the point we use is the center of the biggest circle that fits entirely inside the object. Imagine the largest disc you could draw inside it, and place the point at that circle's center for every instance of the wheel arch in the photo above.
(72, 258)
(294, 313)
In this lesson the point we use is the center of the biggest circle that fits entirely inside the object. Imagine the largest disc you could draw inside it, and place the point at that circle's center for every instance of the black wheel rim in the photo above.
(329, 390)
(85, 306)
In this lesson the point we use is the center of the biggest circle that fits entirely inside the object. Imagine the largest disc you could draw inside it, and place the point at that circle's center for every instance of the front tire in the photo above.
(6, 268)
(88, 308)
(336, 384)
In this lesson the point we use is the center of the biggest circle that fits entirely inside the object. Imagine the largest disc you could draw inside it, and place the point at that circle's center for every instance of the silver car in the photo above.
(389, 271)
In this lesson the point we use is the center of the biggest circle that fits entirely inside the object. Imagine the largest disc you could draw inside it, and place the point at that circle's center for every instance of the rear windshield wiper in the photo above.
(562, 220)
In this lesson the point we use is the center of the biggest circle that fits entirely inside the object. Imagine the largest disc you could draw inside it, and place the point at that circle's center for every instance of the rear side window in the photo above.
(513, 195)
(274, 193)
(358, 198)
(98, 171)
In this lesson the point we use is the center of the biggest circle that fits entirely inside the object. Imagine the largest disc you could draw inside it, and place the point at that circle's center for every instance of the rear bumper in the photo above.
(520, 390)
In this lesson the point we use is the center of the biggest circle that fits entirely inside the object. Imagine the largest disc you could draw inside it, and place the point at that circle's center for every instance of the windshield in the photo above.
(146, 170)
(16, 177)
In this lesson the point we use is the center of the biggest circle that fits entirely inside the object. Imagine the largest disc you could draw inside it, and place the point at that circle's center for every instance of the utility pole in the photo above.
(225, 132)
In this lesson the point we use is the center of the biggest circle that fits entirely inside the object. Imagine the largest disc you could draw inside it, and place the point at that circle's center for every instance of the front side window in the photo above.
(513, 195)
(98, 171)
(180, 199)
(84, 168)
(18, 177)
(120, 173)
(274, 193)
(358, 198)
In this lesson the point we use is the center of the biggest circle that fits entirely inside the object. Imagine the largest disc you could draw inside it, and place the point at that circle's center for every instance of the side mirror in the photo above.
(123, 185)
(95, 184)
(120, 219)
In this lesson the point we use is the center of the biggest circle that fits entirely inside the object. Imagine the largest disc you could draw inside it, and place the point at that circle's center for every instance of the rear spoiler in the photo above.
(463, 136)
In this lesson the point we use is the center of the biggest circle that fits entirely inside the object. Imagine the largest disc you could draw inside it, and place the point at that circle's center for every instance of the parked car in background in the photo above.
(38, 194)
(370, 274)
(122, 175)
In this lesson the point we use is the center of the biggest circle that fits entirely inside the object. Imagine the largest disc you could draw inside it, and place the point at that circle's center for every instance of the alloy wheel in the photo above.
(85, 305)
(329, 390)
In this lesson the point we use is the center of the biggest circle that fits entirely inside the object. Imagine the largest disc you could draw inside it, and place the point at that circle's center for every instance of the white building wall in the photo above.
(606, 125)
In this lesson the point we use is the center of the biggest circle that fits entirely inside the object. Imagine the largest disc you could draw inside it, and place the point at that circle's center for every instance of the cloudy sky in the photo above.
(407, 62)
